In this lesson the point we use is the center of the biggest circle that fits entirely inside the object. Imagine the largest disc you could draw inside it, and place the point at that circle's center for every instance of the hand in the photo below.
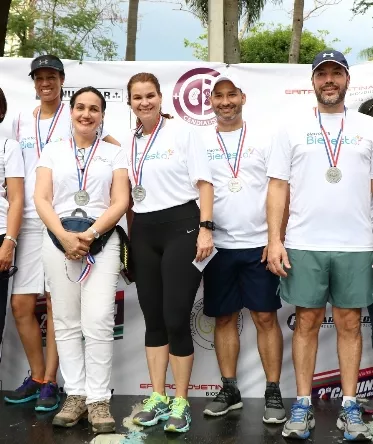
(74, 247)
(277, 256)
(6, 254)
(205, 244)
(86, 237)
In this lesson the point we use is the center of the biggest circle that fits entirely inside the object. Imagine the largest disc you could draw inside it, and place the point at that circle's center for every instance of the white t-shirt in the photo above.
(24, 132)
(240, 217)
(60, 158)
(172, 168)
(326, 216)
(11, 165)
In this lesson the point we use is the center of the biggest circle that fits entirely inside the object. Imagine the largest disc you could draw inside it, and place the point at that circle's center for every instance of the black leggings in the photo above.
(3, 302)
(163, 249)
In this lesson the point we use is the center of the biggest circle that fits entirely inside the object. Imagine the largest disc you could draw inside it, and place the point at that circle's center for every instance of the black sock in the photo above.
(273, 385)
(230, 382)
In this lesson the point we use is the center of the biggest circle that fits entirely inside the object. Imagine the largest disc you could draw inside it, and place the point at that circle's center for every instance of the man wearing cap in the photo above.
(326, 154)
(237, 276)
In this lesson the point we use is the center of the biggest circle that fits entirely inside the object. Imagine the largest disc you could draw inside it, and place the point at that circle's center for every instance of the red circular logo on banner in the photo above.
(192, 96)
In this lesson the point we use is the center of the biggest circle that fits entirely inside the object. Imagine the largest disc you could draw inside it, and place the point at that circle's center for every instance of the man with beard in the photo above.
(237, 276)
(326, 154)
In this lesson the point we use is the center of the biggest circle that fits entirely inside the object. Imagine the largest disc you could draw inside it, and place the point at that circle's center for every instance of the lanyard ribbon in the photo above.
(90, 260)
(82, 170)
(39, 144)
(137, 170)
(241, 143)
(333, 155)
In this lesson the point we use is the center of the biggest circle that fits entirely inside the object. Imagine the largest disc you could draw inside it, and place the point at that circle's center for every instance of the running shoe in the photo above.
(49, 398)
(180, 418)
(351, 423)
(274, 412)
(229, 398)
(28, 391)
(301, 421)
(156, 408)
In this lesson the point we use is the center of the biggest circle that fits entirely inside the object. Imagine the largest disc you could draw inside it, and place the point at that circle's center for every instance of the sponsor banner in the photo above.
(186, 89)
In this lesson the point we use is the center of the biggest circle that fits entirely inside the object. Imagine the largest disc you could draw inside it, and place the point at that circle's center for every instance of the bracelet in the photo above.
(11, 239)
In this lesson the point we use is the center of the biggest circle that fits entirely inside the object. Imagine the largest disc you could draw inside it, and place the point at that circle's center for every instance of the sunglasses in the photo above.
(6, 274)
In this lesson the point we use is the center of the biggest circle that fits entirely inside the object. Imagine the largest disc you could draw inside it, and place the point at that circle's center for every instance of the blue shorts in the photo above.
(235, 279)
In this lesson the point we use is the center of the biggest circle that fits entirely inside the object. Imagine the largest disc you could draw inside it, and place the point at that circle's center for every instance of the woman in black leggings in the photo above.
(168, 169)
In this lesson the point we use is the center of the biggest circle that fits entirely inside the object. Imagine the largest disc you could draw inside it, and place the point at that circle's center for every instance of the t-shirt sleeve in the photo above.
(196, 157)
(45, 158)
(120, 159)
(279, 162)
(13, 159)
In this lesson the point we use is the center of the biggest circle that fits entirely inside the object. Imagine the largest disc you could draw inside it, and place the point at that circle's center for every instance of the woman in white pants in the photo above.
(91, 175)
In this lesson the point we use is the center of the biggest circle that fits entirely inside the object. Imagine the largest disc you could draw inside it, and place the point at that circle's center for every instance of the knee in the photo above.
(348, 323)
(265, 321)
(179, 337)
(98, 327)
(21, 309)
(309, 322)
(225, 321)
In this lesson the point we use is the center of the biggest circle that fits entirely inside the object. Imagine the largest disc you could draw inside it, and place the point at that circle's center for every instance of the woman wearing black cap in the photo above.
(52, 123)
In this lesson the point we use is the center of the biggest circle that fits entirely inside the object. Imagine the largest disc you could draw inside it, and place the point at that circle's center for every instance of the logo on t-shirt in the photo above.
(217, 154)
(192, 96)
(316, 138)
(154, 155)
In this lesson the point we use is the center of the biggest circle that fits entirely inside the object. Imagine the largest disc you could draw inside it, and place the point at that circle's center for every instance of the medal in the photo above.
(39, 144)
(138, 191)
(81, 197)
(234, 185)
(333, 174)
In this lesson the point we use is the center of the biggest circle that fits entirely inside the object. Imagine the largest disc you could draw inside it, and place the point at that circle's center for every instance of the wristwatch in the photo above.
(96, 234)
(207, 224)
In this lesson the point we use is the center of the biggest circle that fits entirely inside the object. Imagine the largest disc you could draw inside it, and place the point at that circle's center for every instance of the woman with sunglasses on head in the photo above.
(11, 209)
(91, 175)
(168, 171)
(50, 122)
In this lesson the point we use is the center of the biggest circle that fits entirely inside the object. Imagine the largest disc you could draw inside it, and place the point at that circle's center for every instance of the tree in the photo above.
(361, 7)
(4, 13)
(74, 29)
(366, 53)
(271, 45)
(133, 8)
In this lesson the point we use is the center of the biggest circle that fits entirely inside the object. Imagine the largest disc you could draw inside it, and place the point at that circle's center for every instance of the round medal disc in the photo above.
(234, 185)
(138, 193)
(333, 175)
(81, 197)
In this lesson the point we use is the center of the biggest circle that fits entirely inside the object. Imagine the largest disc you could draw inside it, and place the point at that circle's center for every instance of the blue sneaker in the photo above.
(49, 398)
(180, 418)
(301, 421)
(28, 391)
(351, 423)
(156, 408)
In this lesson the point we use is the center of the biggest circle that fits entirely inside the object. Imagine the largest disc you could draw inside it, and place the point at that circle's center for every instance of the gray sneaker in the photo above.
(274, 412)
(228, 399)
(301, 421)
(351, 423)
(156, 408)
(180, 418)
(100, 417)
(73, 410)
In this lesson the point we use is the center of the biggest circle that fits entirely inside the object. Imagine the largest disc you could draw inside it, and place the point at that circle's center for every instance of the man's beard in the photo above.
(331, 101)
(237, 111)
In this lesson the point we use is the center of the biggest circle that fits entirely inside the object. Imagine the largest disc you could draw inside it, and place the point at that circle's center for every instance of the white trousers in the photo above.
(84, 309)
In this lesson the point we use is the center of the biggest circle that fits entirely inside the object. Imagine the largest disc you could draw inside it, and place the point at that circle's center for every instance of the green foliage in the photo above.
(271, 45)
(366, 54)
(361, 7)
(73, 29)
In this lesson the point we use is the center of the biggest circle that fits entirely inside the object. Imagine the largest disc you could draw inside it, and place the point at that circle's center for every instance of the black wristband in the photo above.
(207, 224)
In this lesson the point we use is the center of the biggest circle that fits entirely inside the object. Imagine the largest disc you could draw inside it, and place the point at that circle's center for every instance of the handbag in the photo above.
(125, 256)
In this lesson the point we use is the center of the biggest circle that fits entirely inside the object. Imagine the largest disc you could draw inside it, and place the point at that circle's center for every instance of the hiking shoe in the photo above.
(351, 423)
(301, 421)
(156, 408)
(100, 417)
(366, 405)
(229, 398)
(73, 410)
(28, 391)
(274, 412)
(49, 398)
(180, 418)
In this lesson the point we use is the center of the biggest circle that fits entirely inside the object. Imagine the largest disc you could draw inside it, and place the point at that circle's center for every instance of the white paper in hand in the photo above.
(201, 265)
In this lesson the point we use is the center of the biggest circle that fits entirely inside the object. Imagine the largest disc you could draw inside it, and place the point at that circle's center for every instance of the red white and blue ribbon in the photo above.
(241, 143)
(39, 143)
(82, 170)
(137, 169)
(333, 154)
(90, 260)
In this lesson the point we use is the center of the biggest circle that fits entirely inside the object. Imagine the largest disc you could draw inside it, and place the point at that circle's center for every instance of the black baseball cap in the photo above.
(46, 61)
(330, 55)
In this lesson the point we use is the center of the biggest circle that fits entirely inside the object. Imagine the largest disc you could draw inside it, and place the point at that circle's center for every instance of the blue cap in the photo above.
(330, 55)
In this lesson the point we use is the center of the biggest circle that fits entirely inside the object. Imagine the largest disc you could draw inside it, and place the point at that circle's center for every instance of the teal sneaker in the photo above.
(156, 408)
(180, 417)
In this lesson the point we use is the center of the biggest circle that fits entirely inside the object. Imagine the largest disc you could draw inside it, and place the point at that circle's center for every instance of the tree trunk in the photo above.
(133, 8)
(231, 42)
(296, 35)
(4, 14)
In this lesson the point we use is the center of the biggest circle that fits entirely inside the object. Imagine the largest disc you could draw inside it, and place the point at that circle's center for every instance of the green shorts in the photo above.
(343, 279)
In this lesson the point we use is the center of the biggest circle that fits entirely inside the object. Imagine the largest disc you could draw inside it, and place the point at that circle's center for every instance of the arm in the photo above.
(285, 217)
(15, 193)
(110, 139)
(205, 243)
(276, 202)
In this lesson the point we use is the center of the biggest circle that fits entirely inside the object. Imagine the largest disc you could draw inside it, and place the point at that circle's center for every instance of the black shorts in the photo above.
(235, 279)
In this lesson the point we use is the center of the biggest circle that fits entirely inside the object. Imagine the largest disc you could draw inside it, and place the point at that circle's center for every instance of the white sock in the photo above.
(307, 397)
(348, 398)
